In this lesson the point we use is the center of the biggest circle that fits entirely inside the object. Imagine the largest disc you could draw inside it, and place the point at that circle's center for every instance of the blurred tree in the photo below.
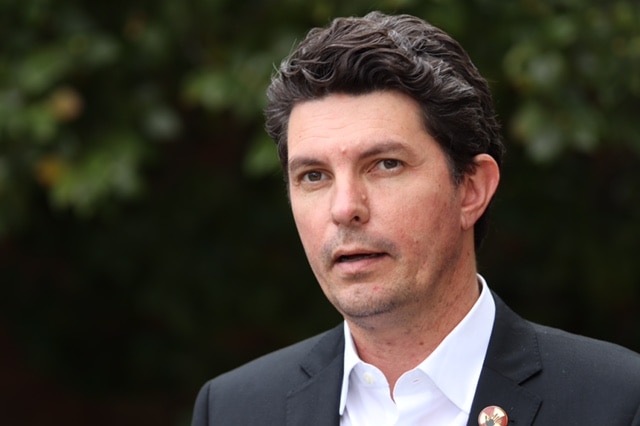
(145, 238)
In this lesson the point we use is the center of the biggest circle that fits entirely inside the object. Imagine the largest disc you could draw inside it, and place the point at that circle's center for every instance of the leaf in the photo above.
(261, 158)
(109, 169)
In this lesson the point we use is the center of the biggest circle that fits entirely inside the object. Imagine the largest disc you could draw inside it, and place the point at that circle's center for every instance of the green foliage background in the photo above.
(145, 238)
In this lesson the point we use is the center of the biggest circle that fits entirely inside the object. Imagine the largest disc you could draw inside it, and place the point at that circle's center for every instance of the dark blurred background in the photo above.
(146, 243)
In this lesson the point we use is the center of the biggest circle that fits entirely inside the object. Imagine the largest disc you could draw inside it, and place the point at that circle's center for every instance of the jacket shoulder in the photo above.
(586, 381)
(552, 376)
(281, 363)
(587, 359)
(255, 393)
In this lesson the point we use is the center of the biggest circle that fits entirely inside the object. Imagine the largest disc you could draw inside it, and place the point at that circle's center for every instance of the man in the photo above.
(391, 151)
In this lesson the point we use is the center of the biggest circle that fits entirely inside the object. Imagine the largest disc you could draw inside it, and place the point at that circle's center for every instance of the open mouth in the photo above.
(358, 256)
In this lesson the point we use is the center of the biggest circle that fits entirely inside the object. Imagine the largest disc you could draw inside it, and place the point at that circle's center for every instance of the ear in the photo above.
(479, 186)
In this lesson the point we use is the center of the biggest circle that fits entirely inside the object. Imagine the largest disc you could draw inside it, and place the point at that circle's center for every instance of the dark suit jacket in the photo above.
(539, 375)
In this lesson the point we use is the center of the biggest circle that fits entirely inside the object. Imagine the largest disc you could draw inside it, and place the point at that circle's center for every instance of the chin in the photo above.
(365, 310)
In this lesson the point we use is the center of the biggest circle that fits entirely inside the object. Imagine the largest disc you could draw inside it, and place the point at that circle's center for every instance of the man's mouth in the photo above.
(357, 256)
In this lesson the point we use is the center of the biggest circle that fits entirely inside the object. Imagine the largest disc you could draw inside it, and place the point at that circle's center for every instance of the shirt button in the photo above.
(368, 378)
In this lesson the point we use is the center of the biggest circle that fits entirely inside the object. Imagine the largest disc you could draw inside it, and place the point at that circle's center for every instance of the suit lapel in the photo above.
(512, 358)
(316, 401)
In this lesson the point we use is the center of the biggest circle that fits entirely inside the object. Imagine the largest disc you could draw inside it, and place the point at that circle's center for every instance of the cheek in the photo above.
(424, 222)
(309, 229)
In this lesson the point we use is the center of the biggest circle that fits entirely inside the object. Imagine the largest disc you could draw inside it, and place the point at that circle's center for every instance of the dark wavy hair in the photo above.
(378, 52)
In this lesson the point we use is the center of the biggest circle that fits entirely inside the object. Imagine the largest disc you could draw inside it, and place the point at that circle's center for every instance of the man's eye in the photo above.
(389, 164)
(313, 176)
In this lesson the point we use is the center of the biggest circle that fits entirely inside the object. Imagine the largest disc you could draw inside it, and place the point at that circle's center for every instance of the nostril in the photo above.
(349, 204)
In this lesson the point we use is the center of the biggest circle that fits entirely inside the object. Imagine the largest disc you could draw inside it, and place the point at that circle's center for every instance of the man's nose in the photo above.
(350, 203)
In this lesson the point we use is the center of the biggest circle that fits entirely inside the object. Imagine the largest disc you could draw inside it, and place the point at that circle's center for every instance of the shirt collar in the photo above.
(455, 365)
(351, 359)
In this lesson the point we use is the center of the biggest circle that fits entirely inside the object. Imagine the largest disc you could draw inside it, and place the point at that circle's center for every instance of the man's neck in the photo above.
(397, 342)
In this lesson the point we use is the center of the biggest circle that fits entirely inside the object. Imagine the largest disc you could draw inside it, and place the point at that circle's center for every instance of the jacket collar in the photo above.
(513, 357)
(316, 401)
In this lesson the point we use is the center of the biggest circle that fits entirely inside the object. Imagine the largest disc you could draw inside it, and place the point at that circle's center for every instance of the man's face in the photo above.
(374, 203)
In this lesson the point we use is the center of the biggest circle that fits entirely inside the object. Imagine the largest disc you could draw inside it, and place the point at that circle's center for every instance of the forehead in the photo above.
(341, 120)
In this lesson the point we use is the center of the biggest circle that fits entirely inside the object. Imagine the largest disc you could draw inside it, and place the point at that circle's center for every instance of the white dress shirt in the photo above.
(439, 391)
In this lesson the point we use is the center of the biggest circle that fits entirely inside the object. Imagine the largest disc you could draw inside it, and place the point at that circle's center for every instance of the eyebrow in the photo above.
(303, 162)
(384, 147)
